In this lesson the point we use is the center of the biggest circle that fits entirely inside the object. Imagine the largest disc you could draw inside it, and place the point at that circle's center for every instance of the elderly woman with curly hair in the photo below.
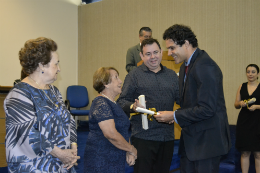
(107, 147)
(40, 131)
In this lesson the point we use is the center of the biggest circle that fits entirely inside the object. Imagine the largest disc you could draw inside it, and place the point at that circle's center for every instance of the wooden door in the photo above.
(3, 93)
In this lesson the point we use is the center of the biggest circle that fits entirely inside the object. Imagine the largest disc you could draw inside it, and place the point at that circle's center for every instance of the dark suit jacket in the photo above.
(133, 57)
(202, 116)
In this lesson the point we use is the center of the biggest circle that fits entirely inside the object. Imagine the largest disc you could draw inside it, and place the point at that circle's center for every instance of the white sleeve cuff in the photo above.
(175, 117)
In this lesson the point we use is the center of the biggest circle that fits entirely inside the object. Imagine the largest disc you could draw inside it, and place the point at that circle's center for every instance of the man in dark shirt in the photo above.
(160, 87)
(133, 53)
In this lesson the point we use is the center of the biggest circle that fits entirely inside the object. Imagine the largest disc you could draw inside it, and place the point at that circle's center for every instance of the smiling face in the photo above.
(114, 87)
(251, 74)
(152, 57)
(52, 69)
(179, 53)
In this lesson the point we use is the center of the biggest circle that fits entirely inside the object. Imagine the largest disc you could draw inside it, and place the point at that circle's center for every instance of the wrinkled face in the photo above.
(179, 53)
(251, 74)
(145, 35)
(152, 57)
(52, 69)
(115, 85)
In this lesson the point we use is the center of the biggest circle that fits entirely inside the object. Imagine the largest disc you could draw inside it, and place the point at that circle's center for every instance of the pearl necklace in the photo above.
(44, 92)
(108, 98)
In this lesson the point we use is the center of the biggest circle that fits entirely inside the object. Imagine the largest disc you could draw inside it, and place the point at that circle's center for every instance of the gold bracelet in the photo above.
(74, 143)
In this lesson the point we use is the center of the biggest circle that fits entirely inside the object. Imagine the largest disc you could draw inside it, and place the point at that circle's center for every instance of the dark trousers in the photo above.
(210, 165)
(152, 156)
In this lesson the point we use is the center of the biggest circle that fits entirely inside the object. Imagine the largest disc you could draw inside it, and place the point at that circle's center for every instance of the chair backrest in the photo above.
(77, 96)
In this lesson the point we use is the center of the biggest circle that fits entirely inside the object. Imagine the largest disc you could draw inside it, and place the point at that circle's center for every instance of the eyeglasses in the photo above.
(154, 53)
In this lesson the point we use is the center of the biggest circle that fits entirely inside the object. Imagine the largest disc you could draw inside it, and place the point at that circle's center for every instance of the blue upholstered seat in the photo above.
(77, 97)
(79, 112)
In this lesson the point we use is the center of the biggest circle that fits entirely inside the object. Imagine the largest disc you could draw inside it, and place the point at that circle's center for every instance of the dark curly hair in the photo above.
(36, 51)
(102, 77)
(180, 33)
(23, 75)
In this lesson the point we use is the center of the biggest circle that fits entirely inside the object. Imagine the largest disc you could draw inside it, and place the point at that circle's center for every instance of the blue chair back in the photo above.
(77, 96)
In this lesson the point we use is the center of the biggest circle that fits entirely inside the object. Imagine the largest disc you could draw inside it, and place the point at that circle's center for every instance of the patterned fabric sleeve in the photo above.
(73, 130)
(22, 128)
(102, 111)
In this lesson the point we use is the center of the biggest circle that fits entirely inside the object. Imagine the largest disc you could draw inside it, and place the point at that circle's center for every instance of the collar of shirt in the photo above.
(145, 68)
(188, 63)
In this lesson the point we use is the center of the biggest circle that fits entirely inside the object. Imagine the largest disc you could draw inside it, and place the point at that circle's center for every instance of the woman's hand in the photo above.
(242, 103)
(133, 152)
(253, 107)
(131, 156)
(67, 156)
(74, 149)
(130, 159)
(75, 153)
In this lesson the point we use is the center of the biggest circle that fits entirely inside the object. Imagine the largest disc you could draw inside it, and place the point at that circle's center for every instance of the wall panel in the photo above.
(227, 30)
(2, 128)
(30, 19)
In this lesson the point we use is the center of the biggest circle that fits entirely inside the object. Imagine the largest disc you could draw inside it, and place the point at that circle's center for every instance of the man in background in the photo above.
(202, 116)
(160, 87)
(133, 53)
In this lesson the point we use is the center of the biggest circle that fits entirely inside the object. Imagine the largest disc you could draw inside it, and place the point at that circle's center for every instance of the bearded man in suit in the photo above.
(205, 130)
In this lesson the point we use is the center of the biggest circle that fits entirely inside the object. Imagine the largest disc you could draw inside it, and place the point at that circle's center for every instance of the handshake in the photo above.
(165, 116)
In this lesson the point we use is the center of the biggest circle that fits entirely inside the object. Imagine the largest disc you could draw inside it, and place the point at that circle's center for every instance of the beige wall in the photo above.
(227, 30)
(26, 19)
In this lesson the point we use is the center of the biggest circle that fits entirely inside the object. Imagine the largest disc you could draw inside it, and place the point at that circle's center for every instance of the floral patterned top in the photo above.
(34, 125)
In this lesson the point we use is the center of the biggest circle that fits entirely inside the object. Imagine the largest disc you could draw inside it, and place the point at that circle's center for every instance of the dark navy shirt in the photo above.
(161, 90)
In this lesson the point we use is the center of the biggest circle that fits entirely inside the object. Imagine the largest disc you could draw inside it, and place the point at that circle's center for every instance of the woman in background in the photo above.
(107, 148)
(248, 123)
(40, 131)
